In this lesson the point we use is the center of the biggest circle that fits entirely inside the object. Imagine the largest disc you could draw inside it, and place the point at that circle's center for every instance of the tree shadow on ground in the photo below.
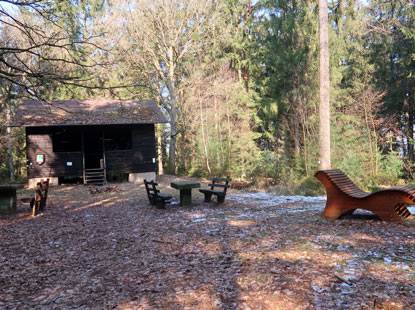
(116, 251)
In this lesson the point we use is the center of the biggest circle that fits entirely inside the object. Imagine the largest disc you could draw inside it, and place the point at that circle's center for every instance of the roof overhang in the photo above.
(37, 113)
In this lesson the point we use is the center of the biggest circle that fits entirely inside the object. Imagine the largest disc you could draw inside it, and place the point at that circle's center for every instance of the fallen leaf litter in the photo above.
(112, 250)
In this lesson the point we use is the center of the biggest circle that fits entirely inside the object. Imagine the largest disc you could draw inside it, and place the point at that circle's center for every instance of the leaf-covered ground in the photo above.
(112, 250)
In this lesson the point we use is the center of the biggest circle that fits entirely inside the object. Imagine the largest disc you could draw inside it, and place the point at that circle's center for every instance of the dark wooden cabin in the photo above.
(92, 139)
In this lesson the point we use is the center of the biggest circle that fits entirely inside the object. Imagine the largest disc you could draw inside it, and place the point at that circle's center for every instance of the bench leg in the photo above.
(35, 206)
(161, 204)
(42, 205)
(221, 199)
(208, 197)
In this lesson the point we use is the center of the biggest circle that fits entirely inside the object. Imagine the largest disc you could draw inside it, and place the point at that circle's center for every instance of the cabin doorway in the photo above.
(93, 150)
(94, 158)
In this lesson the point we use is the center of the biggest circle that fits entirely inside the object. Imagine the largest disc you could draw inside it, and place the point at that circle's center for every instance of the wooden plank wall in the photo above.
(136, 160)
(39, 140)
(139, 158)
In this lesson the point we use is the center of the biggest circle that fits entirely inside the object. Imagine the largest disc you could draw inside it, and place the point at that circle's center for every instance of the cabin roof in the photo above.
(39, 113)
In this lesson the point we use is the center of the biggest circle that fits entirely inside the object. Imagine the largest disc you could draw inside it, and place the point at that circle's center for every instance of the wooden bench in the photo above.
(38, 202)
(343, 197)
(154, 196)
(220, 194)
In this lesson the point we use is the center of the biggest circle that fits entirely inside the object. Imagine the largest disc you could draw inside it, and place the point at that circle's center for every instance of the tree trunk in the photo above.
(245, 67)
(410, 125)
(375, 144)
(324, 77)
(303, 125)
(9, 144)
(221, 159)
(173, 133)
(228, 119)
(297, 146)
(369, 135)
(160, 148)
(173, 113)
(202, 121)
(172, 145)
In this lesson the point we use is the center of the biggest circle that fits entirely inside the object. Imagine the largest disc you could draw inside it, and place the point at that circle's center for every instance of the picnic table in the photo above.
(185, 188)
(8, 198)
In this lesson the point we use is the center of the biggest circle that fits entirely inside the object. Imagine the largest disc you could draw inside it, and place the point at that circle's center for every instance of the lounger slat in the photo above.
(351, 188)
(339, 177)
(351, 191)
(341, 182)
(408, 190)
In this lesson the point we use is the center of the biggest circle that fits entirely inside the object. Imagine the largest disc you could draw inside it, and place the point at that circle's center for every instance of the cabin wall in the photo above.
(138, 158)
(39, 141)
(144, 146)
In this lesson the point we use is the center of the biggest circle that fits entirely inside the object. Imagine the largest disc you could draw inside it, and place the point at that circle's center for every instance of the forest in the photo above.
(237, 80)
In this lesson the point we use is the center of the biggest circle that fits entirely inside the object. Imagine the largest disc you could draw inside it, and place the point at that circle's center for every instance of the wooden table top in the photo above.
(185, 185)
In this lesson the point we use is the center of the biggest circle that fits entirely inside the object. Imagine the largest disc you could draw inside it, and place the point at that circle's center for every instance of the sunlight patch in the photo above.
(196, 216)
(267, 199)
(241, 223)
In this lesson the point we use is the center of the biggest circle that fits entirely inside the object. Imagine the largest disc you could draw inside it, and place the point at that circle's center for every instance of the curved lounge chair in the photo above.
(343, 196)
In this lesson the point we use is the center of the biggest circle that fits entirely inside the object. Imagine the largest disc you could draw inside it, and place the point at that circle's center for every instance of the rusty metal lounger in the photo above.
(343, 196)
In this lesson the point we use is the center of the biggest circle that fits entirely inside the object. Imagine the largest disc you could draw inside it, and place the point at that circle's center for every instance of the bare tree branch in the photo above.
(38, 50)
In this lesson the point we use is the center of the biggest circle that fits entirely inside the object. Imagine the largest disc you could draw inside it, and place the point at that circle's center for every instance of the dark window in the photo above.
(116, 140)
(67, 141)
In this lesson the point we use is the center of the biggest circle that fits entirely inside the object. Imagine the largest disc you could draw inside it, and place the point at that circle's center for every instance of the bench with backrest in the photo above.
(38, 202)
(222, 183)
(154, 196)
(343, 197)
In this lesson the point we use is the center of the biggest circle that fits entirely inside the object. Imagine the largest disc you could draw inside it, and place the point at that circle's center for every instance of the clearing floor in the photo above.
(109, 249)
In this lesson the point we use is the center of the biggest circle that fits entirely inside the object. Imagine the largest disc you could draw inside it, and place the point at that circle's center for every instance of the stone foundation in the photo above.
(52, 181)
(139, 177)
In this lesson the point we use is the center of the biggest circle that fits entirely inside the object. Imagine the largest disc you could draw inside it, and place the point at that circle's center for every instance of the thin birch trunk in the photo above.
(160, 149)
(376, 145)
(229, 133)
(305, 145)
(411, 99)
(203, 136)
(173, 114)
(215, 104)
(324, 77)
(369, 136)
(10, 144)
(222, 159)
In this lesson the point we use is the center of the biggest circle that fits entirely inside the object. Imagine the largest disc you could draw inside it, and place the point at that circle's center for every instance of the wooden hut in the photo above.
(92, 139)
